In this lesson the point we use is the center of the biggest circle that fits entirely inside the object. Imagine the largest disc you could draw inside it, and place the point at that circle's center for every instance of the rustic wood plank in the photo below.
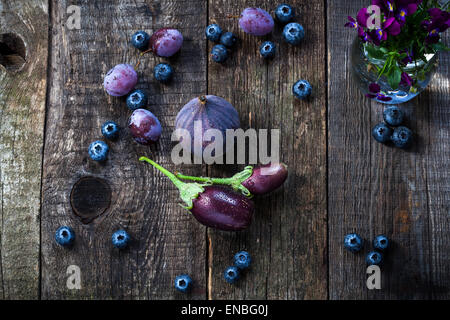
(287, 238)
(23, 83)
(166, 240)
(376, 189)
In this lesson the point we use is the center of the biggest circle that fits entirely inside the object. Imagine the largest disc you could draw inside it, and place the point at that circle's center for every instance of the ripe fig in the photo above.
(206, 112)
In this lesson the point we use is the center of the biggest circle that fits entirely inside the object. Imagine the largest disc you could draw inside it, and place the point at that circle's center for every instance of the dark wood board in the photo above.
(376, 189)
(23, 84)
(288, 236)
(166, 241)
(340, 179)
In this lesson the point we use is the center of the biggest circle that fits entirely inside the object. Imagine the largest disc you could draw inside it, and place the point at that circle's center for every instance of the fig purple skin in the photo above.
(120, 80)
(166, 42)
(224, 209)
(266, 178)
(144, 127)
(213, 112)
(256, 21)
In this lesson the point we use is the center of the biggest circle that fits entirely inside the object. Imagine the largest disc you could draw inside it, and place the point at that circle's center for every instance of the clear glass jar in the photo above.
(365, 73)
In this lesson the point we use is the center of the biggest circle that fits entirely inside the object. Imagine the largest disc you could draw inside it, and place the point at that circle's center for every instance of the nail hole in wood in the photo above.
(12, 52)
(90, 197)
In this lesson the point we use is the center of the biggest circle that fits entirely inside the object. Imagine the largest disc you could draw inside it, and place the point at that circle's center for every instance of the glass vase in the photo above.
(364, 70)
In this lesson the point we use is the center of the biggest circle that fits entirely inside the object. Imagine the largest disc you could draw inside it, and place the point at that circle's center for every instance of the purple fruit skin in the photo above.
(144, 127)
(166, 42)
(256, 21)
(273, 177)
(216, 113)
(120, 80)
(222, 208)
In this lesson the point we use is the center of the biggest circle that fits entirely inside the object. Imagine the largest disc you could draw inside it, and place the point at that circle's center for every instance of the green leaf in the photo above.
(440, 47)
(394, 77)
(375, 53)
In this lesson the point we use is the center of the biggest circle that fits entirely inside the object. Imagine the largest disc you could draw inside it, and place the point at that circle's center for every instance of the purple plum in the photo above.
(166, 42)
(256, 21)
(120, 80)
(144, 127)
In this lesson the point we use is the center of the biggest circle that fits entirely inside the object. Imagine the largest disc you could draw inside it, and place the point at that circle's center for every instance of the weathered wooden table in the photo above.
(52, 105)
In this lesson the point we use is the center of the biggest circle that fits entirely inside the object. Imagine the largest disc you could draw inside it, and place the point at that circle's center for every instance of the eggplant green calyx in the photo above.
(235, 181)
(188, 191)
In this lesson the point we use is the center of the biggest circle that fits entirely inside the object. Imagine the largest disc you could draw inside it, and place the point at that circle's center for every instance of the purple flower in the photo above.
(409, 58)
(390, 27)
(362, 17)
(440, 22)
(406, 80)
(352, 23)
(406, 8)
(387, 7)
(375, 89)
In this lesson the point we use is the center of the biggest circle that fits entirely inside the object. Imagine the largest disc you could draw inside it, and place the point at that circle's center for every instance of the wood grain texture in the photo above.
(22, 113)
(376, 189)
(287, 238)
(166, 241)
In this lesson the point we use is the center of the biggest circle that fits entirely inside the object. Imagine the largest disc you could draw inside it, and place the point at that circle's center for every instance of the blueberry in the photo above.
(242, 260)
(231, 274)
(163, 72)
(228, 39)
(293, 33)
(110, 130)
(381, 242)
(284, 13)
(267, 49)
(402, 137)
(219, 53)
(140, 40)
(381, 133)
(353, 242)
(65, 236)
(183, 283)
(393, 116)
(301, 89)
(137, 99)
(120, 239)
(98, 150)
(213, 32)
(374, 257)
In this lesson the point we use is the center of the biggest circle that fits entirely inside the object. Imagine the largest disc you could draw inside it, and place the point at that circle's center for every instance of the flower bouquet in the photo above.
(394, 55)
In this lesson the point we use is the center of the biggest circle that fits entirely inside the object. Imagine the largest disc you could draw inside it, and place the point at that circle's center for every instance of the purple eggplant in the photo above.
(266, 178)
(250, 181)
(222, 208)
(213, 206)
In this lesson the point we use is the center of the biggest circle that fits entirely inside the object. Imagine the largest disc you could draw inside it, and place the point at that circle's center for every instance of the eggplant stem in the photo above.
(188, 191)
(235, 181)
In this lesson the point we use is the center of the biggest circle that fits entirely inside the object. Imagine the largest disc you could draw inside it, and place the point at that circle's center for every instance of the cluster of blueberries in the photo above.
(293, 33)
(65, 236)
(242, 261)
(354, 243)
(391, 130)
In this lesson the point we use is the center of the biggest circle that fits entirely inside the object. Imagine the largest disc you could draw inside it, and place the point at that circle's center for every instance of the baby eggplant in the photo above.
(222, 208)
(213, 206)
(250, 181)
(266, 178)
